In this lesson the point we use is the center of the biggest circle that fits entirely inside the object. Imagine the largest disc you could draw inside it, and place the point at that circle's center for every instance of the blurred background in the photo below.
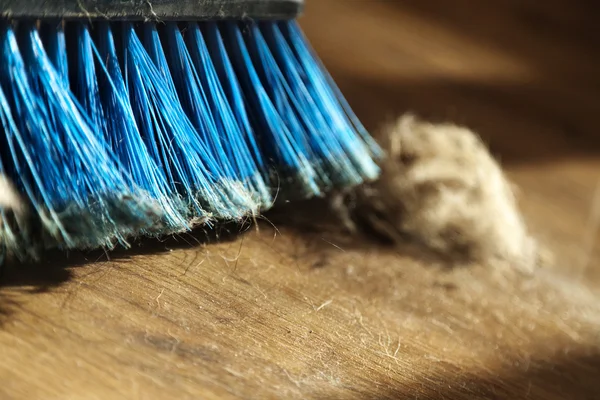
(521, 73)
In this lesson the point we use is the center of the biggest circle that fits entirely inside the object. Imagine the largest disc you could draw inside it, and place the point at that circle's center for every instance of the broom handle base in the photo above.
(153, 10)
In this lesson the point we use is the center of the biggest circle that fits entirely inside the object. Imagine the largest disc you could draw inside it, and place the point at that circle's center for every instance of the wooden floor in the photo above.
(302, 311)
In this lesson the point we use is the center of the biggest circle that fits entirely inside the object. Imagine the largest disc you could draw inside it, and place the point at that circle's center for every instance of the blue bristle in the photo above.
(178, 71)
(56, 51)
(192, 95)
(341, 151)
(277, 141)
(120, 130)
(85, 82)
(109, 134)
(53, 36)
(232, 90)
(160, 115)
(324, 90)
(67, 175)
(299, 110)
(153, 45)
(207, 107)
(278, 90)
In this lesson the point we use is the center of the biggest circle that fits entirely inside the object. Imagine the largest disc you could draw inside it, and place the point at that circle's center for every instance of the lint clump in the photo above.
(441, 186)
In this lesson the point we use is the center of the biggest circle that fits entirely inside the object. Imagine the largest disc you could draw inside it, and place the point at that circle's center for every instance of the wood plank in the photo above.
(298, 309)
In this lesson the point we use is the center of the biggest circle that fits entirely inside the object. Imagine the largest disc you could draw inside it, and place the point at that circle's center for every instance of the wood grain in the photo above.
(301, 310)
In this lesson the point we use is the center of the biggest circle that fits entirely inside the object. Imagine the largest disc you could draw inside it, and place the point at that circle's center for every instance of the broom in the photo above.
(121, 119)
